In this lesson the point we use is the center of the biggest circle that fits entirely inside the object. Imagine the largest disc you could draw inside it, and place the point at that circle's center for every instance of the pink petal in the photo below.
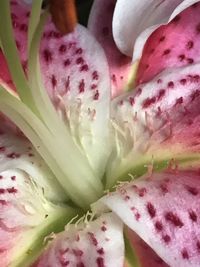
(77, 84)
(158, 121)
(146, 256)
(164, 211)
(100, 24)
(132, 17)
(162, 51)
(23, 176)
(98, 243)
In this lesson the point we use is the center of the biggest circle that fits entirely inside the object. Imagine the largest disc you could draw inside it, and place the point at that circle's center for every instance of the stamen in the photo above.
(63, 15)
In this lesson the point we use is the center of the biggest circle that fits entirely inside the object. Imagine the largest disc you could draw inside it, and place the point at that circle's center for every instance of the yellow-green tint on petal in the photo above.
(132, 76)
(35, 240)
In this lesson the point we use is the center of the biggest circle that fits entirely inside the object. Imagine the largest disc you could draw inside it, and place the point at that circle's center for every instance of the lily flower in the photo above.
(87, 179)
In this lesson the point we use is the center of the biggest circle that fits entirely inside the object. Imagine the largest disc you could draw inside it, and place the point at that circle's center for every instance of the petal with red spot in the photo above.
(161, 50)
(168, 211)
(156, 122)
(97, 243)
(101, 28)
(132, 17)
(78, 85)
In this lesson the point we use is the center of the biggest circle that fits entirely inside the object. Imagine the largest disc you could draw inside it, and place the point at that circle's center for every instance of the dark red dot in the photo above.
(100, 262)
(189, 45)
(193, 216)
(2, 190)
(183, 81)
(198, 28)
(181, 57)
(185, 254)
(84, 67)
(174, 219)
(166, 238)
(190, 60)
(170, 84)
(47, 55)
(192, 190)
(62, 49)
(53, 81)
(162, 39)
(158, 226)
(67, 62)
(151, 209)
(166, 52)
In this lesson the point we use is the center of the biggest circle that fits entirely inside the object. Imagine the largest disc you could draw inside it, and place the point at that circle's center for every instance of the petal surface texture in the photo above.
(131, 18)
(164, 211)
(161, 50)
(77, 84)
(27, 193)
(157, 121)
(98, 244)
(146, 256)
(101, 28)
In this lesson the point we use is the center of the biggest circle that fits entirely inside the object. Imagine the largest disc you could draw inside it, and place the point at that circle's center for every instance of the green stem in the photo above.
(12, 56)
(34, 20)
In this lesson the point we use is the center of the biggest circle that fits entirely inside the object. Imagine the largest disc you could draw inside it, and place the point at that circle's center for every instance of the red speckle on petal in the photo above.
(103, 228)
(170, 84)
(62, 49)
(13, 155)
(81, 86)
(193, 215)
(100, 251)
(190, 45)
(158, 226)
(192, 190)
(53, 81)
(77, 252)
(166, 52)
(142, 191)
(185, 254)
(2, 149)
(151, 209)
(198, 245)
(96, 95)
(166, 238)
(3, 202)
(79, 61)
(13, 178)
(100, 262)
(79, 51)
(12, 190)
(67, 62)
(47, 55)
(84, 68)
(148, 102)
(174, 219)
(181, 57)
(2, 190)
(93, 239)
(95, 75)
